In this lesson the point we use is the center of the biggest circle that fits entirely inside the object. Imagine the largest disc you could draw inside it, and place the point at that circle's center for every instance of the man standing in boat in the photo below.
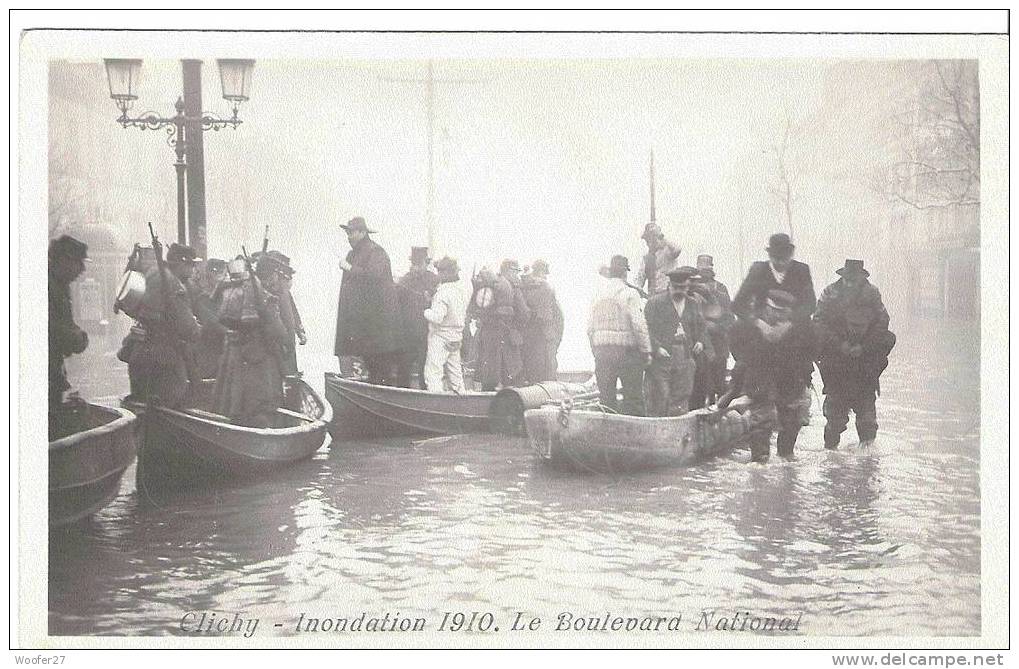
(446, 317)
(718, 317)
(678, 336)
(854, 343)
(367, 317)
(501, 322)
(617, 332)
(662, 257)
(161, 360)
(544, 332)
(283, 275)
(416, 289)
(67, 258)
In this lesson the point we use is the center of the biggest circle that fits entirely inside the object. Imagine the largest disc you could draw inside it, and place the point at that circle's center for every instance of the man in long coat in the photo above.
(790, 277)
(678, 336)
(854, 343)
(415, 289)
(367, 317)
(544, 331)
(500, 329)
(67, 258)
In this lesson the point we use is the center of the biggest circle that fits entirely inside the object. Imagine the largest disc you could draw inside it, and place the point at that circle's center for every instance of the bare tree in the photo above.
(937, 162)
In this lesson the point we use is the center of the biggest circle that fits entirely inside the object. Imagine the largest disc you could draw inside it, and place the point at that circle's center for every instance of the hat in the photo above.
(651, 230)
(780, 299)
(618, 264)
(419, 254)
(355, 224)
(539, 266)
(509, 265)
(181, 253)
(779, 242)
(69, 247)
(447, 264)
(705, 263)
(852, 267)
(282, 262)
(682, 274)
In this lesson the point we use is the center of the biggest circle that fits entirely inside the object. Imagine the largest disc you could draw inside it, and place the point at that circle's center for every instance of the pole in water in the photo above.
(652, 185)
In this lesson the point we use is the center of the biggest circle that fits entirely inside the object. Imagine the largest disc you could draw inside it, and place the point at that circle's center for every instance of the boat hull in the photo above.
(194, 444)
(597, 441)
(365, 411)
(86, 466)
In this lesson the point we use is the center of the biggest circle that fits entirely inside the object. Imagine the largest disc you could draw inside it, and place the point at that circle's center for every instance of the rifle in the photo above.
(168, 313)
(265, 240)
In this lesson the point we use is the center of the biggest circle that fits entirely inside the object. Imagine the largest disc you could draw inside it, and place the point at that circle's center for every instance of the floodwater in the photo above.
(882, 540)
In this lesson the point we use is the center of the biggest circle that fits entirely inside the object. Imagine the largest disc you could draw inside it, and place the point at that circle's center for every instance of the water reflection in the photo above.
(880, 540)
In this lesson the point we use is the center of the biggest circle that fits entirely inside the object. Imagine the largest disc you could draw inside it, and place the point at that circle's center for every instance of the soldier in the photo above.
(67, 258)
(249, 385)
(854, 343)
(717, 309)
(160, 362)
(416, 289)
(617, 332)
(662, 257)
(544, 332)
(202, 289)
(678, 336)
(501, 322)
(280, 286)
(446, 318)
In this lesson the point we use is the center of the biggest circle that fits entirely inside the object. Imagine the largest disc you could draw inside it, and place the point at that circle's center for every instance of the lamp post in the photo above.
(123, 75)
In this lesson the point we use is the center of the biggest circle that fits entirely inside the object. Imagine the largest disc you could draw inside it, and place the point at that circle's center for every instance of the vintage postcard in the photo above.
(515, 340)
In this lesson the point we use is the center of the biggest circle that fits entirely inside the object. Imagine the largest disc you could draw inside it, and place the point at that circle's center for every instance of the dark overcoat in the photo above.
(543, 332)
(840, 373)
(500, 330)
(368, 314)
(750, 298)
(65, 338)
(416, 289)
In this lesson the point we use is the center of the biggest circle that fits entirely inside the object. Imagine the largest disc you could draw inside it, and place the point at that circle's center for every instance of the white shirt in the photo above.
(448, 313)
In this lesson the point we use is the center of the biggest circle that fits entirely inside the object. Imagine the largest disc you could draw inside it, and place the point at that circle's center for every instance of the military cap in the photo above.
(509, 265)
(69, 247)
(619, 263)
(181, 253)
(682, 274)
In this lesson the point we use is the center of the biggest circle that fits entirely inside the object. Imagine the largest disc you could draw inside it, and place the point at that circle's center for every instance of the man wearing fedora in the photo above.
(160, 362)
(368, 313)
(854, 343)
(67, 258)
(662, 257)
(678, 338)
(718, 318)
(416, 289)
(617, 332)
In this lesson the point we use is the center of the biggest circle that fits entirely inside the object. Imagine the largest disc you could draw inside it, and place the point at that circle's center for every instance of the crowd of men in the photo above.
(422, 330)
(666, 340)
(670, 354)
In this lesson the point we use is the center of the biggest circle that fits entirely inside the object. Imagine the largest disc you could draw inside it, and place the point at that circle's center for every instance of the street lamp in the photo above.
(123, 75)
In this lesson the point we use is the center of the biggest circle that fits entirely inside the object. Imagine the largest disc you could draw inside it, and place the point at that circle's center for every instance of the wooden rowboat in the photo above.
(90, 447)
(195, 442)
(593, 440)
(364, 410)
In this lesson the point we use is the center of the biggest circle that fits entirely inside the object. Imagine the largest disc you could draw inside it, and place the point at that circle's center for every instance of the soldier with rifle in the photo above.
(161, 361)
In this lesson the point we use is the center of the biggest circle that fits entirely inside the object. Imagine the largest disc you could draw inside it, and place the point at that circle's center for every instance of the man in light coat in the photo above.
(446, 318)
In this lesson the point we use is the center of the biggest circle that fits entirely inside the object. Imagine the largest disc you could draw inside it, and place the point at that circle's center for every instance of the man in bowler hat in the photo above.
(854, 343)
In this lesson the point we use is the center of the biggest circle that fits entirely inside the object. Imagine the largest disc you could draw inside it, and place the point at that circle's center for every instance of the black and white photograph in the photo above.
(424, 339)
